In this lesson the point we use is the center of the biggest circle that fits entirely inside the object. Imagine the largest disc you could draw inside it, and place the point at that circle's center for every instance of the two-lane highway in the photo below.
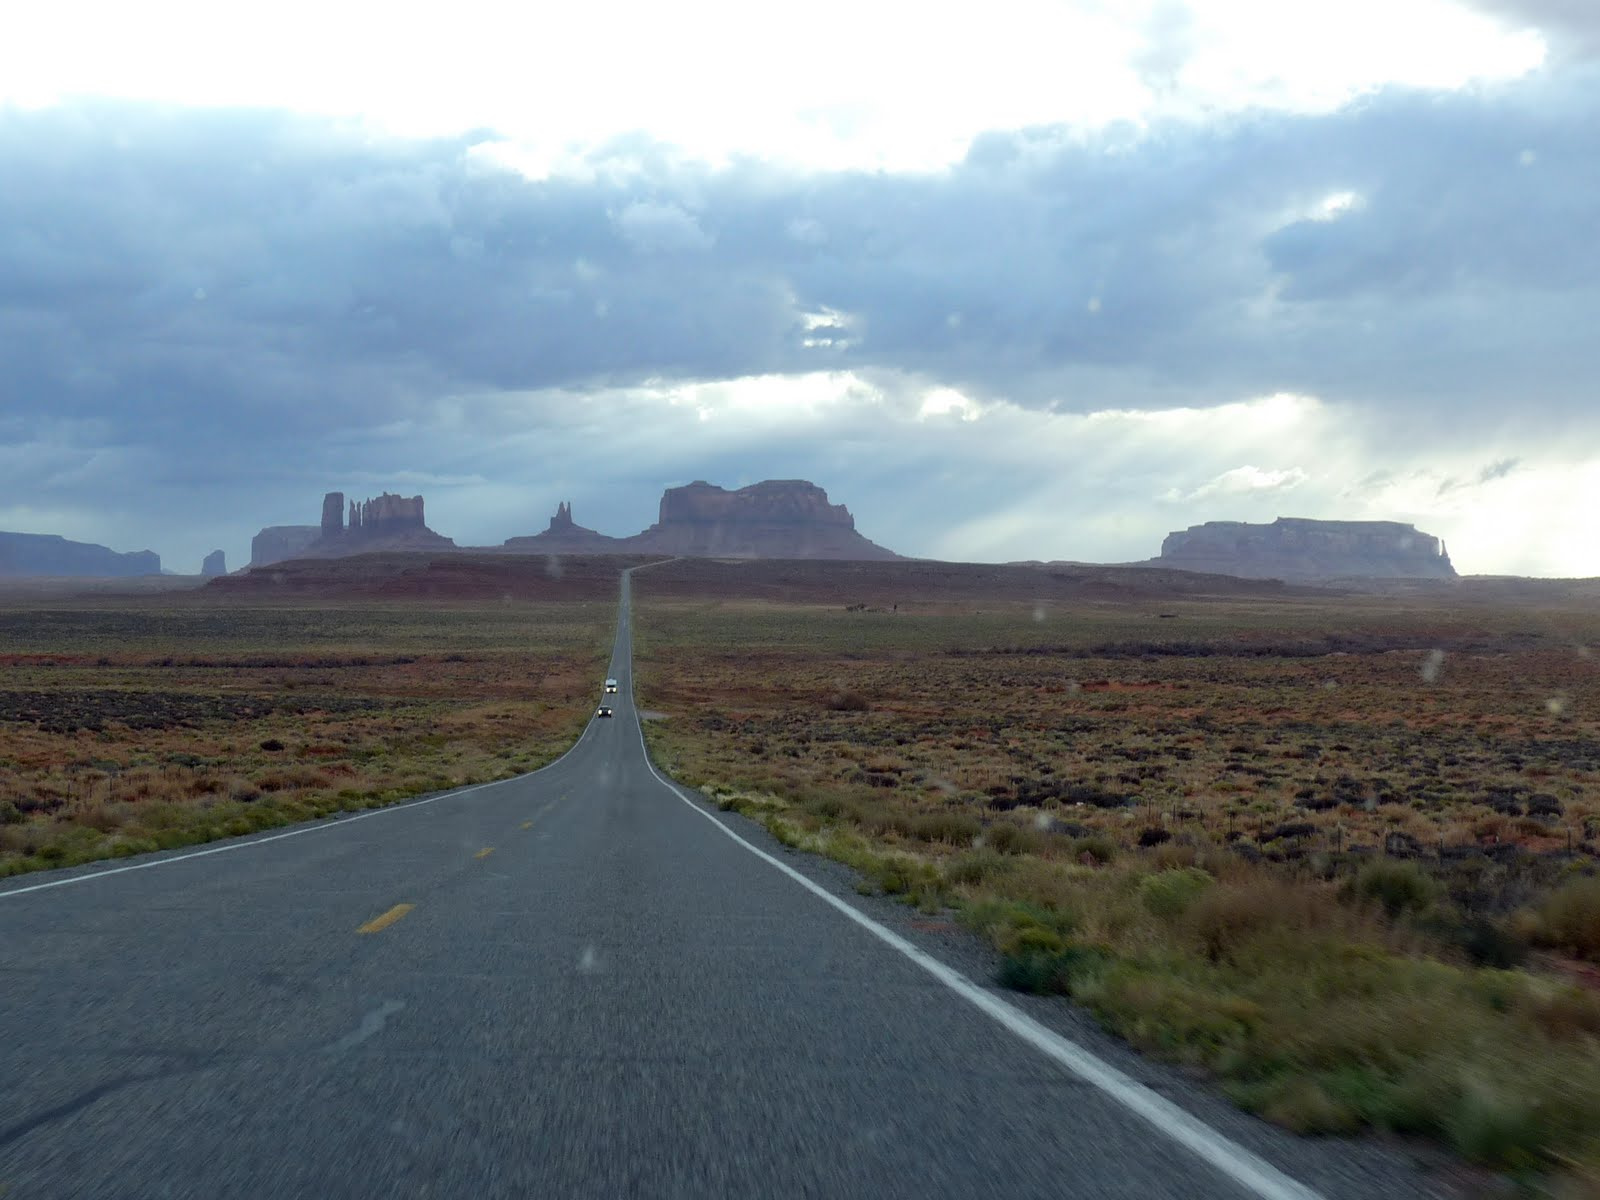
(578, 982)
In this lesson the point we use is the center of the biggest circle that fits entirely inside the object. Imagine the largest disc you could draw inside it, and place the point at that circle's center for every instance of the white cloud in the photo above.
(1240, 481)
(908, 88)
(656, 228)
(808, 231)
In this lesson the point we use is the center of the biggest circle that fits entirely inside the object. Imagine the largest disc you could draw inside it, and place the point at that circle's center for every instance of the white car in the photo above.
(611, 685)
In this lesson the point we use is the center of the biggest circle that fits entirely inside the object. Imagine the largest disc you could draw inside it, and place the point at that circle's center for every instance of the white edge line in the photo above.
(1244, 1167)
(322, 825)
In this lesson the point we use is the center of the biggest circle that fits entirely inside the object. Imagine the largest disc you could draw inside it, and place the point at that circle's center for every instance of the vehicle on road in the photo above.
(611, 685)
(604, 711)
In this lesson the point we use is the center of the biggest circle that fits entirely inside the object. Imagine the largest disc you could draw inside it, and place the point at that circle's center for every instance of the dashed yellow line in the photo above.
(386, 919)
(485, 852)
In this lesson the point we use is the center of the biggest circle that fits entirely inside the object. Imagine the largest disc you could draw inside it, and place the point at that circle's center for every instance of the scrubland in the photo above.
(133, 727)
(1339, 854)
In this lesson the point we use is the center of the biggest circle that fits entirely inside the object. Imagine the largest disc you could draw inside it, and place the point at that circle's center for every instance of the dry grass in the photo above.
(127, 727)
(1282, 841)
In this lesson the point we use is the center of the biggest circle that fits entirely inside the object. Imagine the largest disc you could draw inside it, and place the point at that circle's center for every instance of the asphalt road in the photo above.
(575, 983)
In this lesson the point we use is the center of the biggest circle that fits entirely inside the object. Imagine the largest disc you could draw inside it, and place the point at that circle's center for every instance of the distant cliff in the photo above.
(566, 536)
(276, 543)
(49, 554)
(778, 518)
(386, 522)
(1293, 548)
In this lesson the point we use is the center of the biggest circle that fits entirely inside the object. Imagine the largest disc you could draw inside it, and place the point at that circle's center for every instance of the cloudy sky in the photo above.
(1041, 279)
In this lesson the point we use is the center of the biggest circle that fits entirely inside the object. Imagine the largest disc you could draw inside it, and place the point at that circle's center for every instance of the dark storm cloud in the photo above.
(202, 297)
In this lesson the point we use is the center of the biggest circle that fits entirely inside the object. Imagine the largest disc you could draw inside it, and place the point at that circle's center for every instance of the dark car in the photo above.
(604, 711)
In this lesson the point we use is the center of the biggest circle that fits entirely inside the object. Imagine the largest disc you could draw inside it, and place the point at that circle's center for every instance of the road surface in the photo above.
(575, 983)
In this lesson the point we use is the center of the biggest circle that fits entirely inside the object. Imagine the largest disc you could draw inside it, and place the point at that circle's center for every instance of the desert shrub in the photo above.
(825, 807)
(1542, 804)
(1305, 1106)
(904, 876)
(1098, 847)
(1043, 963)
(1496, 1125)
(1224, 918)
(954, 828)
(1484, 942)
(1400, 887)
(975, 867)
(271, 745)
(848, 702)
(1562, 1012)
(1011, 839)
(1171, 855)
(10, 814)
(1570, 918)
(1169, 894)
(243, 790)
(1154, 836)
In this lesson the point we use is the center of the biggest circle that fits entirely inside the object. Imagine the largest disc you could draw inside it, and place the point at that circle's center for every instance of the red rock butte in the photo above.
(777, 518)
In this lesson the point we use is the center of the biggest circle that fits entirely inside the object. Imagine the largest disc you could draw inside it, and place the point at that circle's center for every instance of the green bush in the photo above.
(1098, 847)
(1570, 919)
(1011, 839)
(1034, 967)
(976, 867)
(954, 828)
(1400, 887)
(1169, 894)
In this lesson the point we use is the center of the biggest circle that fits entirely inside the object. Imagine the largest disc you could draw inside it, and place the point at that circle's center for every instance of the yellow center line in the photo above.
(485, 852)
(387, 919)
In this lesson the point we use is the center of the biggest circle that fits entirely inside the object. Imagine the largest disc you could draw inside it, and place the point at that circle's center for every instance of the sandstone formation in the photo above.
(566, 536)
(386, 522)
(777, 518)
(1292, 548)
(333, 514)
(384, 517)
(276, 543)
(216, 563)
(48, 554)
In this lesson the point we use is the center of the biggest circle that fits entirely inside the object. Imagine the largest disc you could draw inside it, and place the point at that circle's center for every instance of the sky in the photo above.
(1045, 279)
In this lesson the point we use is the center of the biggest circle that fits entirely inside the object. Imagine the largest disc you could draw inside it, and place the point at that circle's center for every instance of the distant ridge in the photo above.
(25, 555)
(776, 518)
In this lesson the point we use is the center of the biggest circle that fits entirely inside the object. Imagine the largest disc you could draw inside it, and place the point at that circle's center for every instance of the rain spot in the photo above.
(1432, 664)
(588, 961)
(1556, 706)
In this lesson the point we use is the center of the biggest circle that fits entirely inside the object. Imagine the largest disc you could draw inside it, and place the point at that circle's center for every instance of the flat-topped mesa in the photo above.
(1295, 548)
(216, 563)
(772, 501)
(777, 518)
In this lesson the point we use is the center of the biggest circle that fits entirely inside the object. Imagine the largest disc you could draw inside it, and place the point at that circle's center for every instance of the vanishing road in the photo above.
(578, 982)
